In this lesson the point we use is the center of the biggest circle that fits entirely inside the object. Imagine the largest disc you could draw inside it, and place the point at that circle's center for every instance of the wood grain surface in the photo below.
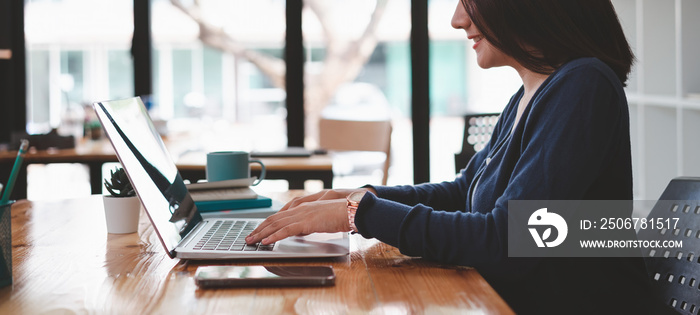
(64, 261)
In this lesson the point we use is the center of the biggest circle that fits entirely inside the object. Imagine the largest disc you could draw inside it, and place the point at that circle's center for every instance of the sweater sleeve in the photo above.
(566, 139)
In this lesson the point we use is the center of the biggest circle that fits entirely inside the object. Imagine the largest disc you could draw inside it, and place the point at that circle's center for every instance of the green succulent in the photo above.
(119, 184)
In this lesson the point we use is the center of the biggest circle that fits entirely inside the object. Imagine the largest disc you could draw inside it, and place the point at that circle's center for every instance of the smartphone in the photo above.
(246, 276)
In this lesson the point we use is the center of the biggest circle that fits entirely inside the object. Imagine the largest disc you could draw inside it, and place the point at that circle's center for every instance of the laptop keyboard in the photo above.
(229, 235)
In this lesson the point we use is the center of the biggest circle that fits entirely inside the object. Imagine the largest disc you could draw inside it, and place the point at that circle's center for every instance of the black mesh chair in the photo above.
(675, 274)
(477, 132)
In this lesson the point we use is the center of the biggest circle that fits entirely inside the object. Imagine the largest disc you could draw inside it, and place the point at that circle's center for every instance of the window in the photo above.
(77, 53)
(227, 82)
(358, 68)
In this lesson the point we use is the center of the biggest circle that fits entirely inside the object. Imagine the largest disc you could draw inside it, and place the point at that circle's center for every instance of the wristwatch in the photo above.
(353, 202)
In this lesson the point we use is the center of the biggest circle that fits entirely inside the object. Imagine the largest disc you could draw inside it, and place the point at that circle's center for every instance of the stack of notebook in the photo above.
(232, 194)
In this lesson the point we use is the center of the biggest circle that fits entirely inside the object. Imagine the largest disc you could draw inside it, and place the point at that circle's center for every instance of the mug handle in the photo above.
(262, 171)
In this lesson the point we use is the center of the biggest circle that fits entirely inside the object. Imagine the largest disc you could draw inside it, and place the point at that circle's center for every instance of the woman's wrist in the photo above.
(369, 188)
(353, 202)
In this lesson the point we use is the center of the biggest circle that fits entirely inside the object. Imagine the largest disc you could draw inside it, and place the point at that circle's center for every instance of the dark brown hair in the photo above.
(544, 34)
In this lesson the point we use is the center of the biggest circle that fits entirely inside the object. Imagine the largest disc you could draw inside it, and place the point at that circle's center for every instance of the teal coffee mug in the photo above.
(226, 165)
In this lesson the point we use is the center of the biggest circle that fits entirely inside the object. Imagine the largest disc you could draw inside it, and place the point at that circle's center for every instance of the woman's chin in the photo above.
(483, 64)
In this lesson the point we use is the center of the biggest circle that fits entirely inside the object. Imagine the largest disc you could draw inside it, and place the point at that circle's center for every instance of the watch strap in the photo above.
(352, 210)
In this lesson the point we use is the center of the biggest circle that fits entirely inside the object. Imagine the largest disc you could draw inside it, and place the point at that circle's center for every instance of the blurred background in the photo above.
(218, 68)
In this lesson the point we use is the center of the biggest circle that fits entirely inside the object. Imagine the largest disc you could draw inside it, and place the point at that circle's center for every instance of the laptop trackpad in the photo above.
(317, 242)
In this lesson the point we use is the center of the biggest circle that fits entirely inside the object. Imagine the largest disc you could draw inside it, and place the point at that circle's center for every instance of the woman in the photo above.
(563, 136)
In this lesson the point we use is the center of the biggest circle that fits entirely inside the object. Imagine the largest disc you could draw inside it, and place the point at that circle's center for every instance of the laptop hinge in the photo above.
(191, 235)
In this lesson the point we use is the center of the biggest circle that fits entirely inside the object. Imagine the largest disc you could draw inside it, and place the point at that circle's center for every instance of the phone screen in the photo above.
(231, 276)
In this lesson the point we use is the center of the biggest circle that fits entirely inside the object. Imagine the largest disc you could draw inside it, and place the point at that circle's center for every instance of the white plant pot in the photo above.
(122, 214)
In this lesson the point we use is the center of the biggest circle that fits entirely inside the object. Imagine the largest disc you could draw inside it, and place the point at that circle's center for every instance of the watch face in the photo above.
(356, 196)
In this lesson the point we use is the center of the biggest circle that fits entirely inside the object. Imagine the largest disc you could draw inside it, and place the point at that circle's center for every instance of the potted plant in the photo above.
(122, 206)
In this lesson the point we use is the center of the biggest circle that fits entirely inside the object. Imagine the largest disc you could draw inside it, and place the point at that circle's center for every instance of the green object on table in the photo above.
(233, 204)
(15, 169)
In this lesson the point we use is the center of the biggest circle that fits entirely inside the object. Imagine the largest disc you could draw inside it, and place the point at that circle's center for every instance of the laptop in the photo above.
(182, 230)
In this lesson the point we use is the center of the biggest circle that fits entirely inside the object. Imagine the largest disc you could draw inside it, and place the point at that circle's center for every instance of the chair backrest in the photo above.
(675, 275)
(356, 135)
(477, 132)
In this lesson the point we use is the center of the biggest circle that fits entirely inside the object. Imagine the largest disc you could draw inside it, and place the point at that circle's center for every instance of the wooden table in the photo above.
(65, 262)
(94, 154)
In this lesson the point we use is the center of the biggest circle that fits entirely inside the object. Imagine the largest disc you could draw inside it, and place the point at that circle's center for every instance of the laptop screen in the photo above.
(151, 170)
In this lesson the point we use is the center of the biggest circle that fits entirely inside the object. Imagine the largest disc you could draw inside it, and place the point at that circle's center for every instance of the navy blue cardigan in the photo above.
(571, 143)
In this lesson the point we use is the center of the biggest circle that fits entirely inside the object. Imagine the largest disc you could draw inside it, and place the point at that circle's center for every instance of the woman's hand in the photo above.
(324, 211)
(304, 218)
(323, 195)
